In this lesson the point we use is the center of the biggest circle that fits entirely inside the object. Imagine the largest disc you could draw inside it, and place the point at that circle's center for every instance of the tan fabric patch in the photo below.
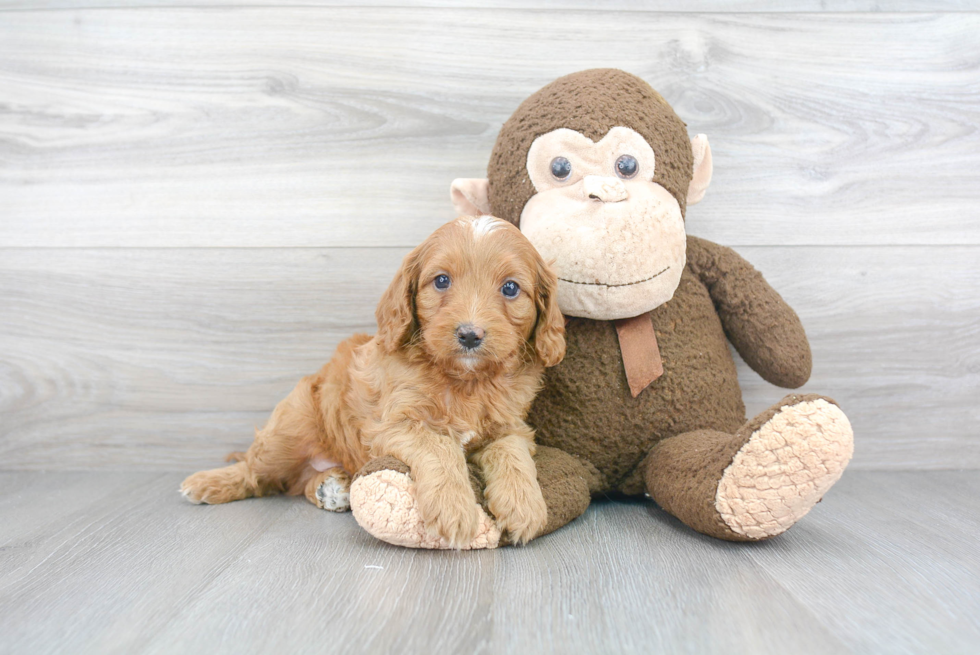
(384, 505)
(641, 354)
(702, 170)
(469, 196)
(785, 468)
(604, 188)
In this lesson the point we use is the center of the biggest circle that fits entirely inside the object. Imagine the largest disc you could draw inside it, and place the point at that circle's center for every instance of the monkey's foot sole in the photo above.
(785, 468)
(384, 504)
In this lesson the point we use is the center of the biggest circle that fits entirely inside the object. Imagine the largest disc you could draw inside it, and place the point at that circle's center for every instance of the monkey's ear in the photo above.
(702, 169)
(470, 196)
(396, 310)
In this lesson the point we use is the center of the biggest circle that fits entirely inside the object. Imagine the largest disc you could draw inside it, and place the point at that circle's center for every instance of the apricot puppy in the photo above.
(464, 333)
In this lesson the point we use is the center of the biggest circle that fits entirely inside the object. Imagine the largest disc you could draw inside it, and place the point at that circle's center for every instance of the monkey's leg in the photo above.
(382, 497)
(757, 483)
(566, 484)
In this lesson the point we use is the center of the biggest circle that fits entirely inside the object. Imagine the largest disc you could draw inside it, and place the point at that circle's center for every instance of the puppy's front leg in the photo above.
(512, 491)
(442, 484)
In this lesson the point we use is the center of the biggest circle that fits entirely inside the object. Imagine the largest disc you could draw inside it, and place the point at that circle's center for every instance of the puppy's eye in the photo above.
(510, 289)
(627, 166)
(442, 282)
(561, 168)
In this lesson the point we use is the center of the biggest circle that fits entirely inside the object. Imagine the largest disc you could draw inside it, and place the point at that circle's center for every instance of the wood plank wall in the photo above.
(198, 201)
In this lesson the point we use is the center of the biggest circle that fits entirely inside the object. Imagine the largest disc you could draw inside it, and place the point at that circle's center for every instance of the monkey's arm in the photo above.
(765, 331)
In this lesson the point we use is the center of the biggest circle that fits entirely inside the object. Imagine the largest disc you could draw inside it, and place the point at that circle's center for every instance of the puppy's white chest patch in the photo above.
(466, 437)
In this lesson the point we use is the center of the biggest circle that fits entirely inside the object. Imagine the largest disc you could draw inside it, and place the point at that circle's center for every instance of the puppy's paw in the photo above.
(333, 494)
(450, 512)
(216, 486)
(519, 508)
(194, 488)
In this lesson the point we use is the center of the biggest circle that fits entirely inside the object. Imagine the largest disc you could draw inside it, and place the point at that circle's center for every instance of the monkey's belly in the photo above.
(586, 408)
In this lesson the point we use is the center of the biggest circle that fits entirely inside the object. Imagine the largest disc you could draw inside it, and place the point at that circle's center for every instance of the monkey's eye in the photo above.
(442, 282)
(510, 289)
(561, 168)
(627, 166)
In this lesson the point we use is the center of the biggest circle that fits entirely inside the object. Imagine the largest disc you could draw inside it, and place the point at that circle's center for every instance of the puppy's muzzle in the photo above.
(470, 336)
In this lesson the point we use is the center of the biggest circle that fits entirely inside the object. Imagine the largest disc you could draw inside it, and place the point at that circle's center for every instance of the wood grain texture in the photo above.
(200, 198)
(920, 528)
(887, 563)
(325, 126)
(699, 6)
(167, 359)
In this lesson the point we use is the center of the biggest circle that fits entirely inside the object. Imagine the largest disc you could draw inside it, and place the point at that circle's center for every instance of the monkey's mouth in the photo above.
(610, 286)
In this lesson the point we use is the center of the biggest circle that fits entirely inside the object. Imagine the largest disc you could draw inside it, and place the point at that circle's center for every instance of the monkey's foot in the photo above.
(796, 452)
(384, 504)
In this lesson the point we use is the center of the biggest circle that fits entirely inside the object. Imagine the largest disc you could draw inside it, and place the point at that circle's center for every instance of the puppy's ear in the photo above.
(396, 310)
(549, 332)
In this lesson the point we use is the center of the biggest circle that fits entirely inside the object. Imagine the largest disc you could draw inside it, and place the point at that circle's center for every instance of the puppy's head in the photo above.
(474, 297)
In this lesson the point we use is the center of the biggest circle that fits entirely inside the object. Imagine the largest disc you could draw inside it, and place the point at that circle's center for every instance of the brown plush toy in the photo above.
(597, 170)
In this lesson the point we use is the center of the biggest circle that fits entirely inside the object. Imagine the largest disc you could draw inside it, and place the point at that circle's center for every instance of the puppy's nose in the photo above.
(470, 336)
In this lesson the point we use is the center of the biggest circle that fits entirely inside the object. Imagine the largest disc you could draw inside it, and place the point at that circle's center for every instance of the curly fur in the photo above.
(414, 392)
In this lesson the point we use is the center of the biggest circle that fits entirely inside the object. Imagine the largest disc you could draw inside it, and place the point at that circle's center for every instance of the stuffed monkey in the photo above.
(597, 171)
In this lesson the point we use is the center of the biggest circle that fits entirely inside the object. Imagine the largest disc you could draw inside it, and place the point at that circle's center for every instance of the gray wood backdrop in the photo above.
(198, 200)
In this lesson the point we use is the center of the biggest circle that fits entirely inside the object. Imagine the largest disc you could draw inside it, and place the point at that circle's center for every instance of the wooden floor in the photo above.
(118, 562)
(200, 198)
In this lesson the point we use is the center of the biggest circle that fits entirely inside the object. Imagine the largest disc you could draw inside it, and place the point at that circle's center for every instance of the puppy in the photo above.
(464, 333)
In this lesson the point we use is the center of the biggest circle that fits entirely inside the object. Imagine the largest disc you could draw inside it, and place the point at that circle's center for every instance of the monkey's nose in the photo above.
(470, 336)
(606, 189)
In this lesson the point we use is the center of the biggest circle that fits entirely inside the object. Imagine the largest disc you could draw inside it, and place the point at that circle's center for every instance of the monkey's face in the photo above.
(616, 237)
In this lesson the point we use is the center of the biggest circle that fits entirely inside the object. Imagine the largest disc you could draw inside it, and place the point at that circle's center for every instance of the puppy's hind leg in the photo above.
(218, 486)
(275, 461)
(330, 490)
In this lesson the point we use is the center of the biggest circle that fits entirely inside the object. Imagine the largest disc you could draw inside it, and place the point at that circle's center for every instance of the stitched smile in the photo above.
(625, 284)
